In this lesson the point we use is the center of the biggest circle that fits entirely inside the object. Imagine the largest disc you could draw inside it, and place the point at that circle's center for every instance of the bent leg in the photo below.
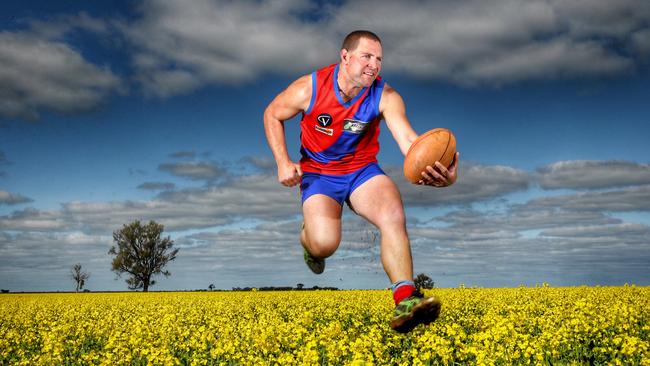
(378, 200)
(322, 233)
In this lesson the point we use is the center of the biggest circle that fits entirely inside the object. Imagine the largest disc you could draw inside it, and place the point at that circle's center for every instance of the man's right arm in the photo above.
(286, 105)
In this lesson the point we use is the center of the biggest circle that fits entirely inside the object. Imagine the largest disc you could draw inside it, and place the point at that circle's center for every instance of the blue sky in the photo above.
(117, 111)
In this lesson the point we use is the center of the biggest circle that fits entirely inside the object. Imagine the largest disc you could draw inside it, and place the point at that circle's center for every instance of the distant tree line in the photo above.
(283, 288)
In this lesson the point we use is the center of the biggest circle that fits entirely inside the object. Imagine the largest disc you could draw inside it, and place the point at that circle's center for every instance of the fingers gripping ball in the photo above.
(438, 144)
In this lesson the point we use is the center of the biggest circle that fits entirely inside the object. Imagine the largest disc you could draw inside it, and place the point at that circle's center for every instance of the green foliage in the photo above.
(423, 281)
(142, 253)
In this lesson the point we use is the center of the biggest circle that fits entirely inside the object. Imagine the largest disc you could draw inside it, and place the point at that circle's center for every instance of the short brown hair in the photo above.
(351, 41)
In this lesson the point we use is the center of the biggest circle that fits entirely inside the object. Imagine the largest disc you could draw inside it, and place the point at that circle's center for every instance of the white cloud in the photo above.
(263, 163)
(176, 48)
(34, 220)
(587, 174)
(232, 234)
(623, 230)
(38, 73)
(181, 47)
(641, 42)
(42, 261)
(500, 41)
(157, 186)
(475, 183)
(623, 200)
(252, 197)
(7, 198)
(602, 17)
(194, 170)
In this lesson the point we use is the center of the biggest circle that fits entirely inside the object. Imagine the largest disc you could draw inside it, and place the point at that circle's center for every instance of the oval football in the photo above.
(438, 144)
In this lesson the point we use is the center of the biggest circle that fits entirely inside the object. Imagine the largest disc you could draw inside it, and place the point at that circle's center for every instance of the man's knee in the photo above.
(323, 246)
(391, 216)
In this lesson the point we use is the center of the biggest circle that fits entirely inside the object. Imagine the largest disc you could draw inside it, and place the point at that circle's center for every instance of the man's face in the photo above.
(363, 63)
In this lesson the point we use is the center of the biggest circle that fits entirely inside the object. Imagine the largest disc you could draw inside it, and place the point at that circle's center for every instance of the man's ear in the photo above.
(344, 55)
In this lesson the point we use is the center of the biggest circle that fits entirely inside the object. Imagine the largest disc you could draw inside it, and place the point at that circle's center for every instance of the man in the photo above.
(342, 106)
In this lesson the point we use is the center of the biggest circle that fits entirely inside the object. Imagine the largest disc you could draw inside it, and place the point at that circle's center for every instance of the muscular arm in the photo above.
(286, 105)
(393, 110)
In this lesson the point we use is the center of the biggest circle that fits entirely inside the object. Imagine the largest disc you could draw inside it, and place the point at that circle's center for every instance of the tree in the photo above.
(79, 276)
(211, 287)
(423, 281)
(142, 253)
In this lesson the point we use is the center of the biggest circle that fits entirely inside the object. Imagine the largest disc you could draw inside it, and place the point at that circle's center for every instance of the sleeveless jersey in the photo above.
(337, 137)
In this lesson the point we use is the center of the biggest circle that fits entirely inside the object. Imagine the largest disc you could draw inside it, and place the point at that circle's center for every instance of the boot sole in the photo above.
(425, 312)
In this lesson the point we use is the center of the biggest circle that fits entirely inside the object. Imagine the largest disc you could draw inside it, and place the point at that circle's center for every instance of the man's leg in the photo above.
(379, 201)
(322, 232)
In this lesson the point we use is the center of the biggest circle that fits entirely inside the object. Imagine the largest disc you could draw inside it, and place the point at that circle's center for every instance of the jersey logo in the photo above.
(324, 119)
(327, 131)
(353, 126)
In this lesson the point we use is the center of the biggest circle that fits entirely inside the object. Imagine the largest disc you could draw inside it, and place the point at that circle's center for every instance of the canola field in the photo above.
(532, 326)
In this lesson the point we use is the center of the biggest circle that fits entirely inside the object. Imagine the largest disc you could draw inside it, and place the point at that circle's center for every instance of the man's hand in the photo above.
(439, 176)
(289, 174)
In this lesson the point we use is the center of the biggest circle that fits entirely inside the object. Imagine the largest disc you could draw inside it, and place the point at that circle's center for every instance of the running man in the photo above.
(342, 106)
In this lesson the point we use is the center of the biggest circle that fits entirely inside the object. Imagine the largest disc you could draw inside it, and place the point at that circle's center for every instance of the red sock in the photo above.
(402, 293)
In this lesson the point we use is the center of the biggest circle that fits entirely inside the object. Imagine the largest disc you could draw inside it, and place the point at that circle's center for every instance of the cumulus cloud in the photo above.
(475, 183)
(249, 197)
(263, 163)
(7, 198)
(572, 249)
(521, 218)
(240, 227)
(31, 219)
(157, 186)
(38, 73)
(627, 230)
(586, 174)
(623, 200)
(194, 170)
(180, 47)
(501, 41)
(41, 261)
(641, 42)
(176, 49)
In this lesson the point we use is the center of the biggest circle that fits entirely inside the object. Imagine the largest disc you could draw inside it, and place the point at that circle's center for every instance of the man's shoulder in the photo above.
(388, 89)
(388, 92)
(390, 99)
(302, 86)
(298, 93)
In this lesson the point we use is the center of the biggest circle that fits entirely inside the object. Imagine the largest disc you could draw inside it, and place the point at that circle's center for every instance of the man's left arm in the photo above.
(393, 110)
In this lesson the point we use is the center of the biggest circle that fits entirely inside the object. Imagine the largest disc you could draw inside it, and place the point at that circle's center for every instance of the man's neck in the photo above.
(346, 88)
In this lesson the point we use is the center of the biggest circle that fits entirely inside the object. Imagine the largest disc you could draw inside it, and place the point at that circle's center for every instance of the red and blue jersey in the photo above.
(339, 137)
